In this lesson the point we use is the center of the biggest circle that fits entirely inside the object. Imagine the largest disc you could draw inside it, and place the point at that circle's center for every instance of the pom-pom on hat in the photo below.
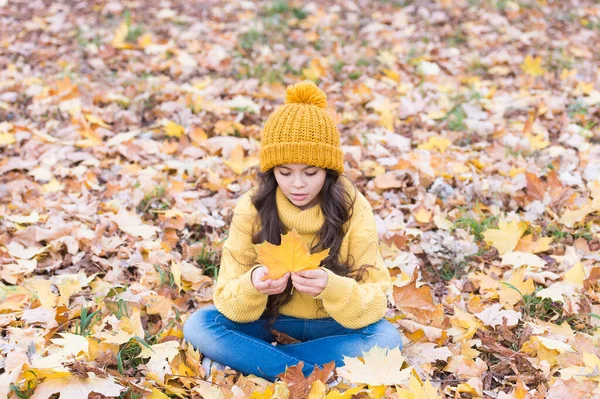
(301, 131)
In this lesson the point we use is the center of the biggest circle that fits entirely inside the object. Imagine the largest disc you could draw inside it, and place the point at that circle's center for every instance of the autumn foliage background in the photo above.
(128, 130)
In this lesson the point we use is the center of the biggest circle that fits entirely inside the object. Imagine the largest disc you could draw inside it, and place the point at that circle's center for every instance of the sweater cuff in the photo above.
(337, 286)
(246, 287)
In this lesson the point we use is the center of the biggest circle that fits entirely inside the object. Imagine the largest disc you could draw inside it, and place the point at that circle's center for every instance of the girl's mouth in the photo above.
(299, 197)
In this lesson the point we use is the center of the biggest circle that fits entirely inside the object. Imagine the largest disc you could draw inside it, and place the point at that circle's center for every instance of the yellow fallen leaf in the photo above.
(7, 139)
(120, 36)
(72, 387)
(293, 255)
(506, 236)
(316, 69)
(97, 121)
(423, 215)
(438, 143)
(569, 218)
(380, 366)
(464, 325)
(526, 244)
(238, 162)
(317, 390)
(145, 40)
(348, 393)
(418, 390)
(42, 289)
(72, 344)
(533, 66)
(509, 296)
(172, 129)
(575, 274)
(53, 186)
(198, 135)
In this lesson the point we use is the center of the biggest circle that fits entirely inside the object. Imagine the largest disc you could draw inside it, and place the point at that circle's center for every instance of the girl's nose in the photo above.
(298, 183)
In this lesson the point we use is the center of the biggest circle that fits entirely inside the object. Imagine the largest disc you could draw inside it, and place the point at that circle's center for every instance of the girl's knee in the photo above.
(199, 323)
(385, 335)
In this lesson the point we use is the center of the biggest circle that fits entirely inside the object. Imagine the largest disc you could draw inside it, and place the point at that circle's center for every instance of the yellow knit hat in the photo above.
(301, 131)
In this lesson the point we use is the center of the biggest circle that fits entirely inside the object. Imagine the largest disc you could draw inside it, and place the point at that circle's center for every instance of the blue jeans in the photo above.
(246, 347)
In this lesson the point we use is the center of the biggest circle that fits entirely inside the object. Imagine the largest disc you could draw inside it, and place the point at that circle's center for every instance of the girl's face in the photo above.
(298, 178)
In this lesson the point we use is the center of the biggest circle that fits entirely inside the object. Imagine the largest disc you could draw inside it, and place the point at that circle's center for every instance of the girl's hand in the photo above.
(311, 282)
(268, 287)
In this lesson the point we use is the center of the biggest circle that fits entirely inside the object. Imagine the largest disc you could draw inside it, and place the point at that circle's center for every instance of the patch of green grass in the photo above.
(261, 72)
(338, 65)
(455, 118)
(475, 227)
(129, 352)
(154, 200)
(166, 276)
(299, 13)
(450, 269)
(277, 7)
(577, 108)
(133, 32)
(559, 234)
(546, 309)
(476, 67)
(22, 392)
(250, 38)
(355, 75)
(363, 62)
(130, 394)
(86, 321)
(206, 260)
(457, 38)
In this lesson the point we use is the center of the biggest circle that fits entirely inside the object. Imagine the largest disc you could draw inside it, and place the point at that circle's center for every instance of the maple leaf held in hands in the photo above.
(293, 255)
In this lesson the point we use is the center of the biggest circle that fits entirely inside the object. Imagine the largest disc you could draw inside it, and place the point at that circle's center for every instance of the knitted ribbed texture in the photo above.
(352, 304)
(301, 131)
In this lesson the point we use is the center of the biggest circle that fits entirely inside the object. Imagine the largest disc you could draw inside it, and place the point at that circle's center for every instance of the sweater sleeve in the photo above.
(235, 296)
(352, 304)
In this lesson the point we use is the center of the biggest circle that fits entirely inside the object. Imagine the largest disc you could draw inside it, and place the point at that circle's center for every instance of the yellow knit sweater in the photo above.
(352, 304)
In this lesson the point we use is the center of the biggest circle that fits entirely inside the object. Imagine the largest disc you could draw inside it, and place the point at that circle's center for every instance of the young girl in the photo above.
(334, 311)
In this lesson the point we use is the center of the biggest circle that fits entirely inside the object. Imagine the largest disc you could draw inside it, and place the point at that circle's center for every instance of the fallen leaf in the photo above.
(381, 366)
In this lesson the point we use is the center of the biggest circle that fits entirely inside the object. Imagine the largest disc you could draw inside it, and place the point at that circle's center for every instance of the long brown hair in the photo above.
(337, 207)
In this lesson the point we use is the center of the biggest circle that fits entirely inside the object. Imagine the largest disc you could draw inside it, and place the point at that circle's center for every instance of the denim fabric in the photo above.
(246, 347)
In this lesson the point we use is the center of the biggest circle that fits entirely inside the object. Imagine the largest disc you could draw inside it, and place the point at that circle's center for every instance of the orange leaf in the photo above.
(293, 255)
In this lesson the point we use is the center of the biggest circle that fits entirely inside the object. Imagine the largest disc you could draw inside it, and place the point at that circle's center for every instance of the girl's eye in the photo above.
(287, 174)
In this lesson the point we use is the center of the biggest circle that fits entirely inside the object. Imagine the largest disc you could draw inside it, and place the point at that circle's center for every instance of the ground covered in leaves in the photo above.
(128, 129)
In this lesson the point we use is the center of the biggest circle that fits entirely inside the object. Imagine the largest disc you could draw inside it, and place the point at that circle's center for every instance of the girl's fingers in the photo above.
(299, 279)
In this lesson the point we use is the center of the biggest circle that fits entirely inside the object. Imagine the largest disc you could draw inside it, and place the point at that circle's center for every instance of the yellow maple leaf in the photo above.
(293, 255)
(380, 366)
(172, 129)
(509, 296)
(438, 143)
(96, 121)
(464, 325)
(526, 244)
(238, 162)
(533, 66)
(119, 40)
(317, 68)
(506, 237)
(71, 387)
(569, 218)
(418, 390)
